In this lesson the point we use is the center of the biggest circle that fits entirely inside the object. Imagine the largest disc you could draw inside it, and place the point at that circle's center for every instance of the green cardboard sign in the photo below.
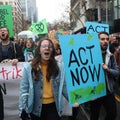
(6, 18)
(39, 27)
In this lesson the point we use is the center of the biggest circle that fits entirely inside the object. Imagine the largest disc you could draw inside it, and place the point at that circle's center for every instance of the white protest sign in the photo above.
(10, 77)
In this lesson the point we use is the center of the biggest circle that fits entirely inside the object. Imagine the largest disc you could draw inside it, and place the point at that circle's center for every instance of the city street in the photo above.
(84, 111)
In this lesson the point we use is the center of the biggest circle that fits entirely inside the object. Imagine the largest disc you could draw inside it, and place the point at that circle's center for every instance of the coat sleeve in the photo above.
(114, 70)
(24, 91)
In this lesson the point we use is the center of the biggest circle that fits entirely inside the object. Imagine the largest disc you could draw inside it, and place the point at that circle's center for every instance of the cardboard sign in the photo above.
(6, 18)
(94, 27)
(83, 67)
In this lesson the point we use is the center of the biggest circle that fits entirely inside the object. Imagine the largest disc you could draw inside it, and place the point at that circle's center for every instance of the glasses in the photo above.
(105, 39)
(3, 30)
(45, 46)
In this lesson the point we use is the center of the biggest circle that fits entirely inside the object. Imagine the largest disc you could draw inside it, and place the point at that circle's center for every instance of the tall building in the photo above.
(29, 10)
(103, 11)
(24, 13)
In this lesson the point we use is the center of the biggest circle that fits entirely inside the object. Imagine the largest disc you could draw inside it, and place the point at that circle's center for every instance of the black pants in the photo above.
(1, 105)
(49, 112)
(74, 114)
(108, 103)
(34, 117)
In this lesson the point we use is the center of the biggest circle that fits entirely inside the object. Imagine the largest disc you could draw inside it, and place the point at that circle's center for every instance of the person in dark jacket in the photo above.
(111, 71)
(8, 51)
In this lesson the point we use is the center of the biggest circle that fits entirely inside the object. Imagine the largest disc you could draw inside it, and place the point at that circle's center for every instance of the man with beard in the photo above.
(8, 51)
(111, 71)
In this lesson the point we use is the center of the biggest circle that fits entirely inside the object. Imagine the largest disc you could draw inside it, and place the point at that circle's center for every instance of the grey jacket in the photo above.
(30, 88)
(110, 76)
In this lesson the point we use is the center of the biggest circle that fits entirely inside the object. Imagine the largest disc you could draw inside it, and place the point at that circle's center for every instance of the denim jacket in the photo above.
(110, 61)
(28, 87)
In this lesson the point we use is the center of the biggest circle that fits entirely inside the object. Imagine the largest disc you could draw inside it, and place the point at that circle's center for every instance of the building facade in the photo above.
(24, 13)
(102, 11)
(29, 10)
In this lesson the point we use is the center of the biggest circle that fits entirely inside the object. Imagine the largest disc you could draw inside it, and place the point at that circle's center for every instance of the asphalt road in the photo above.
(84, 111)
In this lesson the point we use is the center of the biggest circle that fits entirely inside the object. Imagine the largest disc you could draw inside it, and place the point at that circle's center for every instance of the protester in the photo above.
(9, 51)
(113, 44)
(117, 56)
(117, 52)
(29, 50)
(58, 55)
(111, 71)
(21, 42)
(57, 48)
(43, 84)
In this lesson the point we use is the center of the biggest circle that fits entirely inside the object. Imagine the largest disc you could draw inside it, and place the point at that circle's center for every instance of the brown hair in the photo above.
(52, 68)
(31, 41)
(103, 32)
(5, 27)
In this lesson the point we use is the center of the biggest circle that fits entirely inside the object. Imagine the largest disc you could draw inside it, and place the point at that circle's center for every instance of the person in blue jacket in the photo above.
(43, 84)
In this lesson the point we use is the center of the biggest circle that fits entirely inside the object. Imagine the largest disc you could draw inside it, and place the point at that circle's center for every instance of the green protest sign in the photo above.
(31, 28)
(6, 18)
(39, 27)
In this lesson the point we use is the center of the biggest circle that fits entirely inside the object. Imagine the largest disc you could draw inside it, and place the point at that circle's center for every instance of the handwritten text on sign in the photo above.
(10, 77)
(6, 18)
(83, 67)
(9, 72)
(94, 27)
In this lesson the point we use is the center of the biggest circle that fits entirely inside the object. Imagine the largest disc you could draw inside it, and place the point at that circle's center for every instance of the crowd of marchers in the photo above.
(43, 82)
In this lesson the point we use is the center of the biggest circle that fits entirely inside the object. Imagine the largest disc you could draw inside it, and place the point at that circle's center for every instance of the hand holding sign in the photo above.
(105, 67)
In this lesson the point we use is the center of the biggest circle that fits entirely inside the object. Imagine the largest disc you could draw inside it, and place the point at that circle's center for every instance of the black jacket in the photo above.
(14, 51)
